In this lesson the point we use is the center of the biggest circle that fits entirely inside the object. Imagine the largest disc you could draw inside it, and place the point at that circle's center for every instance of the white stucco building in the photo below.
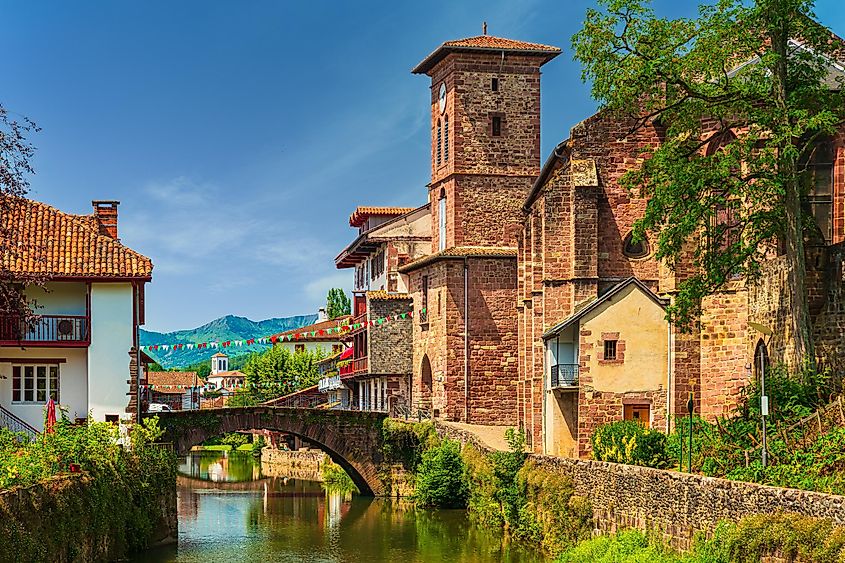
(83, 349)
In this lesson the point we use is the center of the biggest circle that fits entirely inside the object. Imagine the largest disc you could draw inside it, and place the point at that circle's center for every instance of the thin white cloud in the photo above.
(318, 288)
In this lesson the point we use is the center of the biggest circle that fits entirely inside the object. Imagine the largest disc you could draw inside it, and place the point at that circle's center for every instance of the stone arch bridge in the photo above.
(352, 439)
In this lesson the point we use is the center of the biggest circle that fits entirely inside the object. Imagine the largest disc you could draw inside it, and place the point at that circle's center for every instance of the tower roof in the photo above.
(486, 43)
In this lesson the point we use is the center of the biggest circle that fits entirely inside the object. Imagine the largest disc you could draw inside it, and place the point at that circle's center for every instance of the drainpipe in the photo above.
(466, 339)
(669, 353)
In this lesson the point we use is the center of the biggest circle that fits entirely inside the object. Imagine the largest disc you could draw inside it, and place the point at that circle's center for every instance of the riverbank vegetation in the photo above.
(128, 480)
(335, 479)
(804, 451)
(747, 541)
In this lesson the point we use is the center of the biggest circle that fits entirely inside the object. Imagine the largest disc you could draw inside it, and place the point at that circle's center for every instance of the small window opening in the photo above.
(446, 138)
(610, 349)
(497, 126)
(439, 140)
(638, 249)
(494, 84)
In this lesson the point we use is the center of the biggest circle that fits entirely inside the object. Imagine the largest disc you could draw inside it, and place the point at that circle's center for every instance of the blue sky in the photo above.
(239, 136)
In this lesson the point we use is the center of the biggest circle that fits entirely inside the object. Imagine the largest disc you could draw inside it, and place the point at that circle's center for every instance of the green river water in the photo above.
(228, 511)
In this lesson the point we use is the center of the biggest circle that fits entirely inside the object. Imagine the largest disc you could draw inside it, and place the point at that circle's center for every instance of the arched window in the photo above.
(439, 141)
(818, 186)
(441, 221)
(725, 229)
(445, 138)
(638, 249)
(425, 377)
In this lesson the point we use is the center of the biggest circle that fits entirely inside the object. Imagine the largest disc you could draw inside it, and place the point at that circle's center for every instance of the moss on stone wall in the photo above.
(82, 518)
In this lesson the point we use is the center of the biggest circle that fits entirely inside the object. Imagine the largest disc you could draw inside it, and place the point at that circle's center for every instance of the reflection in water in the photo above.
(229, 512)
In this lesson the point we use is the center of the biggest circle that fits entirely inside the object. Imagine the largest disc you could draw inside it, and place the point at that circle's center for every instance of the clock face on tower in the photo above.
(441, 97)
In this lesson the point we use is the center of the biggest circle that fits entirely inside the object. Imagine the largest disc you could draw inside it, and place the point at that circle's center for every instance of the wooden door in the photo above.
(638, 413)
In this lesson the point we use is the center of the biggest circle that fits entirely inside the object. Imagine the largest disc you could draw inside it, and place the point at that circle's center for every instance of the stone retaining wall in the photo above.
(59, 520)
(300, 464)
(677, 505)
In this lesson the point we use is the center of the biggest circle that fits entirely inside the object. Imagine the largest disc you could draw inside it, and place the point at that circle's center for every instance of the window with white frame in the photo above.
(35, 384)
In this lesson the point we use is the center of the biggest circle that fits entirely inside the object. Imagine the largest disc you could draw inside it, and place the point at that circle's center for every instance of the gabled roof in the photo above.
(44, 241)
(596, 303)
(486, 43)
(226, 374)
(174, 378)
(316, 328)
(361, 214)
(460, 252)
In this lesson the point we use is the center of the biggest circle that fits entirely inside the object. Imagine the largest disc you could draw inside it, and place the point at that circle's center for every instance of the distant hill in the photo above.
(225, 328)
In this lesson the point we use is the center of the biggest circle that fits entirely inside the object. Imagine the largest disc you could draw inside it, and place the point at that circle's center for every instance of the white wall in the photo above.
(73, 390)
(58, 298)
(108, 355)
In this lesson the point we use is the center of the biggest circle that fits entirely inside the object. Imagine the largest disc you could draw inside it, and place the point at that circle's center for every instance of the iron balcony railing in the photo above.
(46, 329)
(15, 424)
(564, 375)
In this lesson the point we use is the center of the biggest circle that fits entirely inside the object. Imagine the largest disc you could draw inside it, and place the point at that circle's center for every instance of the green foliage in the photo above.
(731, 447)
(791, 395)
(628, 546)
(335, 479)
(337, 303)
(531, 504)
(440, 477)
(675, 72)
(233, 440)
(277, 372)
(124, 499)
(405, 442)
(257, 445)
(629, 442)
(747, 541)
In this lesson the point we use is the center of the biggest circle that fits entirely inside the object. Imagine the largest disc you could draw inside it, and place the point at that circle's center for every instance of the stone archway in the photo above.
(353, 439)
(425, 382)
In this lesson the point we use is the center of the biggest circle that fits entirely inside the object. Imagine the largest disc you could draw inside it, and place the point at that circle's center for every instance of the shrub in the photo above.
(628, 442)
(440, 477)
(335, 479)
(130, 479)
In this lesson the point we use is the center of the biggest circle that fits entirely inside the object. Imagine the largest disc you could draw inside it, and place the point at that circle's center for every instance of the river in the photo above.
(228, 511)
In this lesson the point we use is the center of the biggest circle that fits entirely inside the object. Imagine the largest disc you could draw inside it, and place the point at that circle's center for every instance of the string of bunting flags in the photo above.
(339, 330)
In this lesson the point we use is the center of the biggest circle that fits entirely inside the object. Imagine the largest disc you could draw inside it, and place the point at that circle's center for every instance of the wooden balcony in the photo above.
(360, 365)
(46, 330)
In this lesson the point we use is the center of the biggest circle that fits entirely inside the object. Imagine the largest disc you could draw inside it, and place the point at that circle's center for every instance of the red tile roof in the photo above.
(47, 242)
(317, 327)
(173, 378)
(460, 252)
(486, 43)
(361, 214)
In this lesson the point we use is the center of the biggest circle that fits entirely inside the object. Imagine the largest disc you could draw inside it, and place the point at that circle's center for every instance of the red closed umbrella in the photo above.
(51, 416)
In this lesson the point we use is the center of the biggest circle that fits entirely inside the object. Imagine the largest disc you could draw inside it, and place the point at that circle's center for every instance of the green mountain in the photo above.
(225, 328)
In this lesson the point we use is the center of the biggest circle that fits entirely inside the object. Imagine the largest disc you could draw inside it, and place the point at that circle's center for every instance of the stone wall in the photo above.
(390, 348)
(61, 519)
(300, 464)
(678, 505)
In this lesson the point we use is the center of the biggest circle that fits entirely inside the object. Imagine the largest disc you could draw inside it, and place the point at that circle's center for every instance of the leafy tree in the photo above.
(337, 303)
(742, 96)
(440, 477)
(276, 372)
(16, 153)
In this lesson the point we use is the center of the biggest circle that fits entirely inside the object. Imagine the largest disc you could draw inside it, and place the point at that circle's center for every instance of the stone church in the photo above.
(536, 308)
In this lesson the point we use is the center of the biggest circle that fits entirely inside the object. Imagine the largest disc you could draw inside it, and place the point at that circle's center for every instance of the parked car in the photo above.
(159, 407)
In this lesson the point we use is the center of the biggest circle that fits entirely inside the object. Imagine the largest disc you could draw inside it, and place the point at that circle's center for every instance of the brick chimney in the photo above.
(105, 213)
